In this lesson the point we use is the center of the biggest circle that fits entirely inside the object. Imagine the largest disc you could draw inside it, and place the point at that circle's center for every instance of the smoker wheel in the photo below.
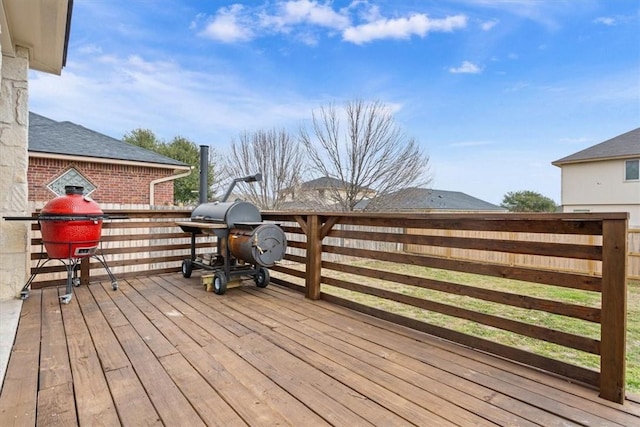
(187, 268)
(220, 283)
(262, 277)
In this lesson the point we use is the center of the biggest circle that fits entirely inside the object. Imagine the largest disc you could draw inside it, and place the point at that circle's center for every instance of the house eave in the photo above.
(561, 163)
(84, 159)
(41, 27)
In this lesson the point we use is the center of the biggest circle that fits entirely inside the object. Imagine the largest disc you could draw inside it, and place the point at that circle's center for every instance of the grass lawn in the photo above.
(561, 323)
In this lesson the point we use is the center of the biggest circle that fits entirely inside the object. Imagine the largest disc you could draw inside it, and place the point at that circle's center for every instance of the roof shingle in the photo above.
(622, 146)
(428, 199)
(66, 138)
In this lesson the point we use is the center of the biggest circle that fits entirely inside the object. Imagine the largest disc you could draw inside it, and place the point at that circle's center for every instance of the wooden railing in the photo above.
(358, 261)
(330, 234)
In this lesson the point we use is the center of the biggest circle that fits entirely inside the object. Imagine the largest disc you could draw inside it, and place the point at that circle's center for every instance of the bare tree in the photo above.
(273, 153)
(369, 155)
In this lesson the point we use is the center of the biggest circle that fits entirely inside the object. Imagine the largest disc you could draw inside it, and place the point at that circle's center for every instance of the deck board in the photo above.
(163, 351)
(19, 396)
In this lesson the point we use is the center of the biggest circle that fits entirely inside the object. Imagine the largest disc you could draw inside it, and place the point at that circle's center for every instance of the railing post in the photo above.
(614, 310)
(84, 271)
(314, 258)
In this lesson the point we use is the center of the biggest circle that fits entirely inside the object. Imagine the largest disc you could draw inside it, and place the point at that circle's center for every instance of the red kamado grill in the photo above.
(246, 246)
(71, 225)
(71, 228)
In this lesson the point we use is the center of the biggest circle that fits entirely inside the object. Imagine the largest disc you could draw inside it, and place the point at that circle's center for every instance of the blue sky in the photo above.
(494, 90)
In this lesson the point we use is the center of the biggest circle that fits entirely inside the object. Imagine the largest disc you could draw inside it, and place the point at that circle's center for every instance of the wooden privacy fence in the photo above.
(588, 266)
(364, 257)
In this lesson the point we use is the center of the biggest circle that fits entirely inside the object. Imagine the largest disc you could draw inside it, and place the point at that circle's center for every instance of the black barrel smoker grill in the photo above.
(246, 245)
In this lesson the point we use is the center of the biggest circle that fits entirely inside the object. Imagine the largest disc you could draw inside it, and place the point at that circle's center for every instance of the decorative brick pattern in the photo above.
(119, 184)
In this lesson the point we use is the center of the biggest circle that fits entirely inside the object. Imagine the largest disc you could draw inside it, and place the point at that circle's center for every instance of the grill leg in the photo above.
(24, 293)
(71, 275)
(114, 281)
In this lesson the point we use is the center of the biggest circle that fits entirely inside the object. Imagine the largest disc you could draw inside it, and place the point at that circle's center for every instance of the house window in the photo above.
(71, 177)
(632, 170)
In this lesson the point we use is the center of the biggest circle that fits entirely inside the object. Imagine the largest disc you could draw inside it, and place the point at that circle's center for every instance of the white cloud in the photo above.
(89, 49)
(305, 11)
(548, 13)
(229, 25)
(605, 20)
(365, 11)
(402, 28)
(467, 67)
(359, 22)
(518, 86)
(206, 107)
(487, 25)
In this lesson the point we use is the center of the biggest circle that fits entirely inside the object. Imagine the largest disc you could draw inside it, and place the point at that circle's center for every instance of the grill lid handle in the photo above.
(251, 178)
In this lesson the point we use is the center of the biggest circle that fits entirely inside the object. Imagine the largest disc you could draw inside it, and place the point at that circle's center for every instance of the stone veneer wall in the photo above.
(14, 125)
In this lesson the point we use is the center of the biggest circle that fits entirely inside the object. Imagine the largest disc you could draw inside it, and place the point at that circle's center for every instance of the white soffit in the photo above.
(41, 27)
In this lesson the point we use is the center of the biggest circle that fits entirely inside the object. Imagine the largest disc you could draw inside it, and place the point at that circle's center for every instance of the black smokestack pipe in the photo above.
(204, 173)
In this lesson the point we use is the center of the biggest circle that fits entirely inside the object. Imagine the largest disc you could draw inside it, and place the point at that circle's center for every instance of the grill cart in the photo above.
(246, 245)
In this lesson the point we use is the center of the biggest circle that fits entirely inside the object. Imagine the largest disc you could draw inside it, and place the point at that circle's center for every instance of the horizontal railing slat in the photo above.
(504, 223)
(584, 375)
(568, 280)
(589, 314)
(545, 334)
(562, 250)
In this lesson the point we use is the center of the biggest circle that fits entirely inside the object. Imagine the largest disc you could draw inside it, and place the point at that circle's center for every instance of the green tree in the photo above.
(528, 201)
(144, 138)
(185, 190)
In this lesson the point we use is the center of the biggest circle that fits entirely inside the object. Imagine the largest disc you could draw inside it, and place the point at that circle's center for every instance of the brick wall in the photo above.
(120, 184)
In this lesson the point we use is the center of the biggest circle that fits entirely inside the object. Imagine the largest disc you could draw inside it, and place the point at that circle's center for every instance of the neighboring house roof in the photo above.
(69, 139)
(414, 198)
(308, 205)
(622, 146)
(324, 182)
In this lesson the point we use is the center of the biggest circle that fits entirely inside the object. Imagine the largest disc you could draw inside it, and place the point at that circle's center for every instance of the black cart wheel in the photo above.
(187, 268)
(220, 283)
(262, 277)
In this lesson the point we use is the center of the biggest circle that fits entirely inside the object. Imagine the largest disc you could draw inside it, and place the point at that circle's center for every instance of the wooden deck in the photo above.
(162, 351)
